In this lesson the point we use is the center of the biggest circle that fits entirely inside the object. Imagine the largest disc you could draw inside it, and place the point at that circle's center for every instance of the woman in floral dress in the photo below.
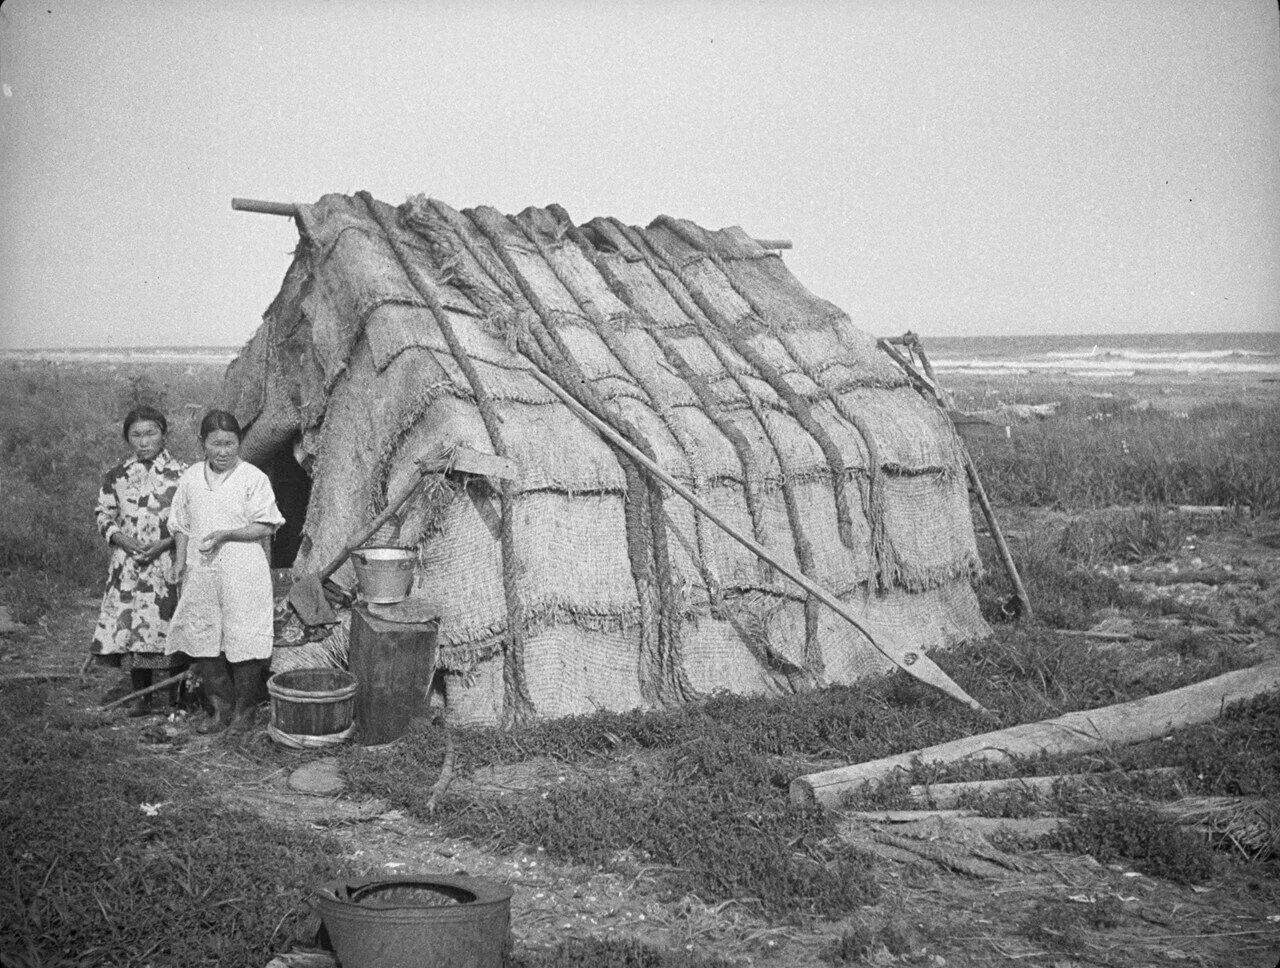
(133, 516)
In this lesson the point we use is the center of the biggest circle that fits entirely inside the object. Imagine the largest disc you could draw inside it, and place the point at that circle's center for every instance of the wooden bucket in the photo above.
(312, 707)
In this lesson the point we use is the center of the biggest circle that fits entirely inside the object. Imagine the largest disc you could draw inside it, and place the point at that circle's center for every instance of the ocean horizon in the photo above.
(1100, 354)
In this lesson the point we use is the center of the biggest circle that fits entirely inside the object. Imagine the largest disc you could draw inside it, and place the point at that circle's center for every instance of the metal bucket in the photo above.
(384, 574)
(417, 920)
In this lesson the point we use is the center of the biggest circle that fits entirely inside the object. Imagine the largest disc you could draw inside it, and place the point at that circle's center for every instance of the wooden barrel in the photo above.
(393, 663)
(312, 704)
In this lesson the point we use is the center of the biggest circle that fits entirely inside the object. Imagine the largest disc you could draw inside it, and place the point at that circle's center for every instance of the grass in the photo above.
(613, 953)
(1062, 925)
(60, 428)
(695, 796)
(699, 794)
(1135, 832)
(1222, 454)
(116, 857)
(870, 940)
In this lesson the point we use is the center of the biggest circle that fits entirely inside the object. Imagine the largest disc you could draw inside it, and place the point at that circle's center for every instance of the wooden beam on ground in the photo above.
(1078, 732)
(943, 795)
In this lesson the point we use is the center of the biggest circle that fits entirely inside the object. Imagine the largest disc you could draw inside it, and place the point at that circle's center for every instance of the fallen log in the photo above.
(941, 795)
(1078, 732)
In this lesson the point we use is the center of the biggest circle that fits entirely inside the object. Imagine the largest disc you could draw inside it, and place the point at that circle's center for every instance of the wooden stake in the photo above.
(927, 384)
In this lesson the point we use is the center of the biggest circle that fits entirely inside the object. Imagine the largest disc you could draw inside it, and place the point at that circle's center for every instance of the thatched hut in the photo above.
(582, 585)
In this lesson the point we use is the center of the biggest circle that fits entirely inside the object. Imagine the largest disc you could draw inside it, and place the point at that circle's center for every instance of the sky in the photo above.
(956, 168)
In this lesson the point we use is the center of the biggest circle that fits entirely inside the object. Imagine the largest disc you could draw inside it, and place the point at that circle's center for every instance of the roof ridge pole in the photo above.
(566, 369)
(514, 679)
(711, 334)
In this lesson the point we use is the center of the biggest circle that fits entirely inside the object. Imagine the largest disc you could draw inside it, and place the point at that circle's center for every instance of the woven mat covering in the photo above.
(402, 332)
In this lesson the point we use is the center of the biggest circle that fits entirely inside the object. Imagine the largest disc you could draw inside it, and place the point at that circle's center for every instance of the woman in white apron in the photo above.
(222, 519)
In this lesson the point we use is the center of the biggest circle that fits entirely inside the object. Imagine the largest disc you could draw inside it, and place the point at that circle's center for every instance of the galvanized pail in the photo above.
(384, 575)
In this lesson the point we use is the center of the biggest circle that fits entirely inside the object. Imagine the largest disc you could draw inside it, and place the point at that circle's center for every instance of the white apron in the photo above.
(226, 604)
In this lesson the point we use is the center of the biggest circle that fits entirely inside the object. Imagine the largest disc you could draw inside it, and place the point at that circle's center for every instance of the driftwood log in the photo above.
(1078, 732)
(941, 795)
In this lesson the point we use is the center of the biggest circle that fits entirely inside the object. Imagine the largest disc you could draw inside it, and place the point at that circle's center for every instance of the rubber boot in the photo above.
(140, 679)
(248, 677)
(219, 690)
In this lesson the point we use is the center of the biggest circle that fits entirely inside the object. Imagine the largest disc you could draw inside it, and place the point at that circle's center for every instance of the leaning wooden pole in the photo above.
(144, 691)
(928, 384)
(1079, 732)
(912, 661)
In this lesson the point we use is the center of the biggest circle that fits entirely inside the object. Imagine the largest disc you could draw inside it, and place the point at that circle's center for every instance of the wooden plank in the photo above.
(1078, 732)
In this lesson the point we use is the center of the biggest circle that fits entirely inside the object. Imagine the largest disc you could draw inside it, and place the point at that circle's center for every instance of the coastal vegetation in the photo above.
(690, 803)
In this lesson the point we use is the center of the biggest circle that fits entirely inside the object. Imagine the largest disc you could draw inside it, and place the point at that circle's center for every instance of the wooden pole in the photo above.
(291, 209)
(142, 692)
(265, 208)
(912, 661)
(1078, 732)
(925, 382)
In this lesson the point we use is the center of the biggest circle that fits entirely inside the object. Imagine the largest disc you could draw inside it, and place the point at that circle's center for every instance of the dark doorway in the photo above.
(292, 486)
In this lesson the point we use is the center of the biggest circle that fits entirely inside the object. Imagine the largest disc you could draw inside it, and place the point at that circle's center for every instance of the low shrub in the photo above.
(867, 940)
(1113, 830)
(1060, 924)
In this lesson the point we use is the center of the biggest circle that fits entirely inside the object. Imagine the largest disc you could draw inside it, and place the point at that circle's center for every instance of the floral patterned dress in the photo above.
(140, 598)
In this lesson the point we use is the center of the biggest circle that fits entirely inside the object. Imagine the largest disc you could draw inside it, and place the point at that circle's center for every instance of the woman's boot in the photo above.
(140, 679)
(218, 690)
(248, 685)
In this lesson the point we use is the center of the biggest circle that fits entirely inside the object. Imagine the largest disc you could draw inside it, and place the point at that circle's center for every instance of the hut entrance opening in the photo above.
(292, 486)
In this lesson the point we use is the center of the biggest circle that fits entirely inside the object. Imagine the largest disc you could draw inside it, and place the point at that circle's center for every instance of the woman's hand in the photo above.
(151, 552)
(131, 546)
(212, 541)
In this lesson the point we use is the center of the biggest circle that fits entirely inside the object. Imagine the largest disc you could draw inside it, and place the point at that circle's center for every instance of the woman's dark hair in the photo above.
(220, 420)
(139, 414)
